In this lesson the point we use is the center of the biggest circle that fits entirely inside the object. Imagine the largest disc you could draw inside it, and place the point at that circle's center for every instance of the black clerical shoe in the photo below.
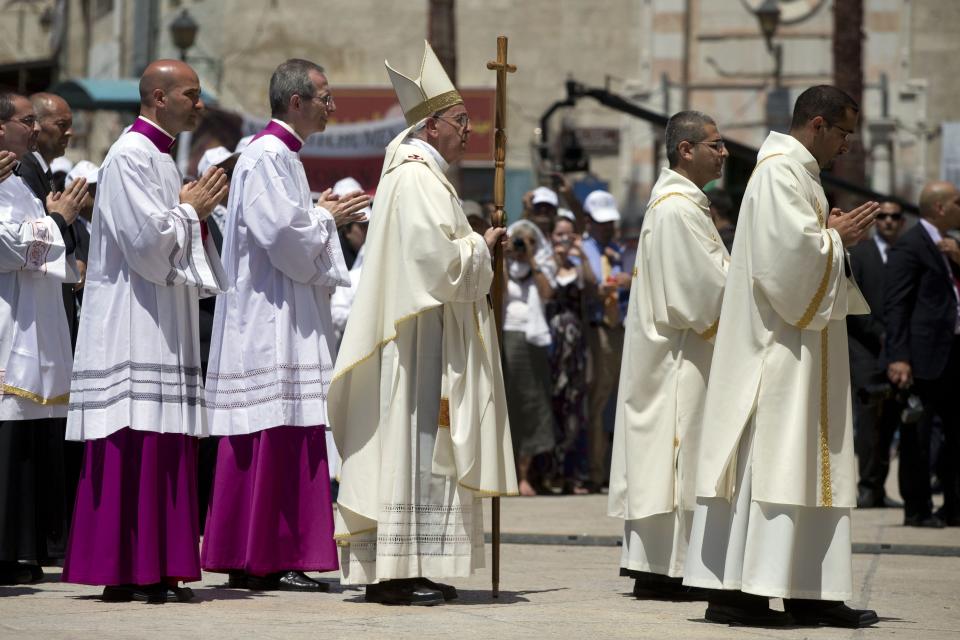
(403, 592)
(285, 581)
(149, 593)
(178, 594)
(237, 580)
(736, 608)
(36, 572)
(12, 573)
(949, 520)
(449, 592)
(829, 613)
(654, 586)
(928, 522)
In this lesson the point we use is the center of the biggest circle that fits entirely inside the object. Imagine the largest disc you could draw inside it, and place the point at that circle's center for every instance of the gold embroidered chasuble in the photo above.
(671, 321)
(420, 314)
(781, 347)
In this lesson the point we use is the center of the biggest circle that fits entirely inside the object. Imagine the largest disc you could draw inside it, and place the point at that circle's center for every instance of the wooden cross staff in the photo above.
(499, 220)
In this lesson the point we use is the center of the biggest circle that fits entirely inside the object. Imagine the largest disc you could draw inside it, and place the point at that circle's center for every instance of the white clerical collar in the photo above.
(783, 144)
(288, 128)
(882, 245)
(426, 146)
(43, 163)
(157, 127)
(932, 231)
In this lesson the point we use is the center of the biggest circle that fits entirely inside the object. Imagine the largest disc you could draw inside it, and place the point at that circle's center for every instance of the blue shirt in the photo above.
(592, 250)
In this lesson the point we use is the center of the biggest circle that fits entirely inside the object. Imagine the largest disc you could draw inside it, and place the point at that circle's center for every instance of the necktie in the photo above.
(49, 176)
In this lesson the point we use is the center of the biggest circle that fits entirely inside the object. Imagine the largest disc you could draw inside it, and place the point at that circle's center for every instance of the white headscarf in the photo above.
(537, 330)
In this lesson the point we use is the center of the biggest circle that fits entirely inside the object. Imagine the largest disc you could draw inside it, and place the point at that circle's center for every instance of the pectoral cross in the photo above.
(499, 219)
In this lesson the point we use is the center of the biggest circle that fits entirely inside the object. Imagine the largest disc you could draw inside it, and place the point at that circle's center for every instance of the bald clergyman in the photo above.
(136, 394)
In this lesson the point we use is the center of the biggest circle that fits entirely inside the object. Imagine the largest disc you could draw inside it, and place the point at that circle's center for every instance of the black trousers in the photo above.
(877, 419)
(940, 399)
(33, 502)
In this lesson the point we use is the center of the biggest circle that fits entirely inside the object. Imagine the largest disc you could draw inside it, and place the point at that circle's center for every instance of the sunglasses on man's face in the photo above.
(889, 216)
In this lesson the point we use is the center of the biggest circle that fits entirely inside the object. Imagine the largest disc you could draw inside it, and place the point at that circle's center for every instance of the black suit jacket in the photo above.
(866, 332)
(921, 306)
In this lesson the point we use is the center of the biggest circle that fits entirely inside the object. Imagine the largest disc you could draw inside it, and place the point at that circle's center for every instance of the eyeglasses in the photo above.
(847, 133)
(890, 216)
(462, 120)
(29, 121)
(716, 145)
(325, 100)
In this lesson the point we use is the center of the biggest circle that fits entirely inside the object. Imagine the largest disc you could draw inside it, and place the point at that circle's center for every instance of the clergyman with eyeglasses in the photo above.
(775, 477)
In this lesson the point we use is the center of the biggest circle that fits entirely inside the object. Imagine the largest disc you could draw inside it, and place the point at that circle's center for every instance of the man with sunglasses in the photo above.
(876, 412)
(775, 473)
(671, 321)
(36, 258)
(272, 350)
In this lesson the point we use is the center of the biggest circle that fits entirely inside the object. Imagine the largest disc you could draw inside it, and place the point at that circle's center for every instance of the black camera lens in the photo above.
(519, 244)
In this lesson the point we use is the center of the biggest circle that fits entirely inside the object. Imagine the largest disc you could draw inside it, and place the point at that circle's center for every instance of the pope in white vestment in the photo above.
(137, 394)
(417, 401)
(775, 473)
(671, 321)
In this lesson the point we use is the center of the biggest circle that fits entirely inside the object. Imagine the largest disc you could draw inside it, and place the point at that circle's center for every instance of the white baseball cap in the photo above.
(83, 169)
(60, 165)
(602, 207)
(349, 185)
(545, 195)
(212, 158)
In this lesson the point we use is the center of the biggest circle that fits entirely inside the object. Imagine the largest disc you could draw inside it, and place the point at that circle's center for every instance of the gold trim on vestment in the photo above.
(711, 330)
(29, 395)
(488, 494)
(824, 282)
(386, 341)
(826, 488)
(343, 539)
(432, 105)
(672, 193)
(443, 420)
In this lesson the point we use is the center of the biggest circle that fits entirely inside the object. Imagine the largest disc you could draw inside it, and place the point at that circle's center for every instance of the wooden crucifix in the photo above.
(499, 219)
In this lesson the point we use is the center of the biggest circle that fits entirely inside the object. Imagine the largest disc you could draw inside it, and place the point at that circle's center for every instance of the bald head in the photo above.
(48, 104)
(56, 124)
(934, 195)
(164, 75)
(170, 95)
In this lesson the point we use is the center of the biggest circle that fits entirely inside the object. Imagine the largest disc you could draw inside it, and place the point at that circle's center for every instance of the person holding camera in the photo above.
(876, 406)
(923, 349)
(526, 335)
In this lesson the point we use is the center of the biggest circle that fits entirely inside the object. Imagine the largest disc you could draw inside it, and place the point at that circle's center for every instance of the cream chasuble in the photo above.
(775, 475)
(417, 404)
(671, 321)
(137, 361)
(273, 347)
(781, 350)
(35, 355)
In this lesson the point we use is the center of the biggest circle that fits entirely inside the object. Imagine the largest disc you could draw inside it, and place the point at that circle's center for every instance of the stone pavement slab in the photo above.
(547, 592)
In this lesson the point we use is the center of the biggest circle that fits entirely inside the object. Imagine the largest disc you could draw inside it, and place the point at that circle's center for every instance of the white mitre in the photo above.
(429, 93)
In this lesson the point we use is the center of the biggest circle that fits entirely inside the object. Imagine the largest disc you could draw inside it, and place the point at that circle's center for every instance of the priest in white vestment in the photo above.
(417, 403)
(671, 321)
(272, 351)
(36, 259)
(775, 474)
(136, 398)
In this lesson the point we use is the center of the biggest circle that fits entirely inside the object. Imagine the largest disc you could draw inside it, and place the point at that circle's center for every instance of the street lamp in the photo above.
(183, 32)
(768, 15)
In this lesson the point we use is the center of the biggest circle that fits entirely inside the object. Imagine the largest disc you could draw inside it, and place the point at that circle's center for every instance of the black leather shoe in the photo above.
(890, 503)
(403, 592)
(652, 586)
(178, 594)
(829, 613)
(150, 593)
(36, 572)
(948, 520)
(237, 580)
(285, 581)
(449, 592)
(736, 608)
(928, 522)
(12, 573)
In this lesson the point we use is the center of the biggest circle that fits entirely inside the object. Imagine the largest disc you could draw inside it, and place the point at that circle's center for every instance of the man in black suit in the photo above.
(876, 412)
(923, 349)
